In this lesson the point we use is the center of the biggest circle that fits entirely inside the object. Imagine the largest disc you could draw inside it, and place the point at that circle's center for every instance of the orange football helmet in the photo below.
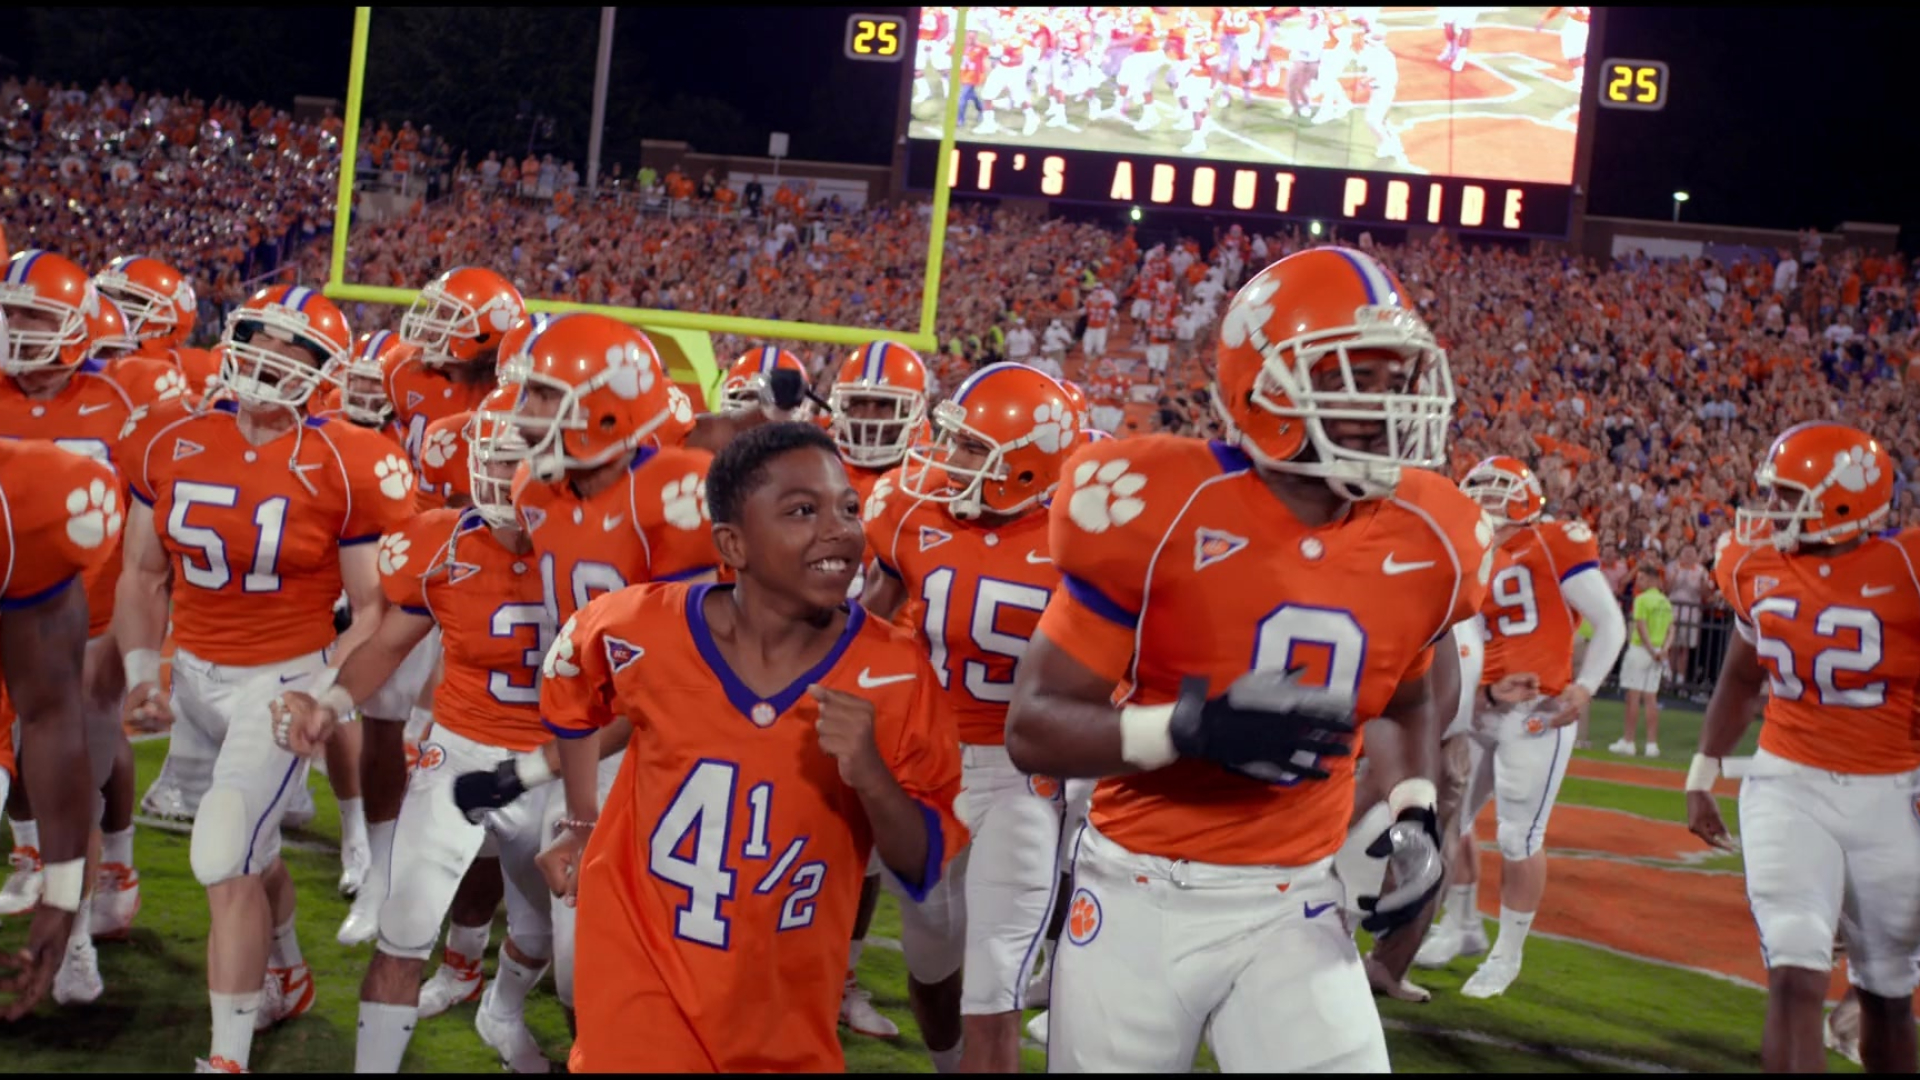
(1506, 489)
(1082, 405)
(495, 447)
(746, 382)
(107, 336)
(997, 445)
(157, 299)
(461, 316)
(50, 307)
(1322, 342)
(363, 381)
(595, 390)
(512, 359)
(290, 314)
(679, 423)
(1824, 482)
(445, 466)
(886, 384)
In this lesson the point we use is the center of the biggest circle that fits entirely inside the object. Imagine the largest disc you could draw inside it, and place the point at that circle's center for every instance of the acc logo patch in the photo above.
(1045, 787)
(1212, 545)
(1083, 918)
(621, 653)
(432, 756)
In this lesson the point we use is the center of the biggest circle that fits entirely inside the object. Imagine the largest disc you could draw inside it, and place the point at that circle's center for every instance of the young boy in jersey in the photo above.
(779, 734)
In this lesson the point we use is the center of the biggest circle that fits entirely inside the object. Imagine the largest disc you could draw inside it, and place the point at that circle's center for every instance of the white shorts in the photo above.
(1828, 853)
(991, 907)
(1258, 958)
(220, 715)
(1157, 355)
(1095, 341)
(937, 54)
(1010, 82)
(1195, 94)
(1640, 670)
(553, 810)
(401, 693)
(434, 844)
(1378, 106)
(1529, 763)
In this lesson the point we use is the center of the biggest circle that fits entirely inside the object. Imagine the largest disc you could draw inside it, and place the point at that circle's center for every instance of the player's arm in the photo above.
(885, 593)
(1586, 592)
(42, 649)
(1736, 697)
(360, 576)
(140, 609)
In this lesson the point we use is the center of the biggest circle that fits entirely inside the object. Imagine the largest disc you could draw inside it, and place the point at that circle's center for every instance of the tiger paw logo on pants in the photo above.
(1083, 918)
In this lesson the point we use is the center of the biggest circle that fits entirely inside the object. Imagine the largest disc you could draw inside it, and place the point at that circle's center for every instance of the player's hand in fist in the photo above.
(1415, 866)
(301, 725)
(845, 729)
(476, 793)
(145, 709)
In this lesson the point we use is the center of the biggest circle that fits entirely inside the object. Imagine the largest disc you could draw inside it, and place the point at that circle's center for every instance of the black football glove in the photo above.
(1415, 867)
(1266, 726)
(476, 793)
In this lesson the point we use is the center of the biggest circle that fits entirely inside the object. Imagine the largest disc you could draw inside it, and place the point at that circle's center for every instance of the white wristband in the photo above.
(1146, 736)
(335, 697)
(1702, 773)
(1412, 793)
(60, 884)
(532, 769)
(323, 682)
(142, 666)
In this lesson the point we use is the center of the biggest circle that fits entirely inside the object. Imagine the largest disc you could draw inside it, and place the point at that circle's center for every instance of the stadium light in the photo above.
(1134, 214)
(1678, 198)
(1314, 228)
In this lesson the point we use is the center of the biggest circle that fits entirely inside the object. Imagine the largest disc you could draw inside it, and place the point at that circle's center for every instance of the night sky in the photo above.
(1760, 129)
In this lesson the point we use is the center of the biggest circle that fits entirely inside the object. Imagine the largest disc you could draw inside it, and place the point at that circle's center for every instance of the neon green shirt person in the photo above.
(1652, 618)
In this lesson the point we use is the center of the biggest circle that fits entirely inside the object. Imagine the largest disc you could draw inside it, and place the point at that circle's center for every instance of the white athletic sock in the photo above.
(512, 981)
(1460, 911)
(948, 1060)
(385, 1031)
(233, 1025)
(286, 947)
(26, 834)
(353, 822)
(82, 921)
(469, 942)
(117, 847)
(380, 846)
(1513, 934)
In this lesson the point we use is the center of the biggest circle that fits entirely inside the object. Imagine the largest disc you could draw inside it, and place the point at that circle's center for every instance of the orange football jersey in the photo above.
(255, 550)
(1840, 639)
(1530, 627)
(1176, 560)
(979, 592)
(447, 566)
(442, 461)
(719, 888)
(198, 368)
(60, 518)
(86, 417)
(650, 525)
(421, 394)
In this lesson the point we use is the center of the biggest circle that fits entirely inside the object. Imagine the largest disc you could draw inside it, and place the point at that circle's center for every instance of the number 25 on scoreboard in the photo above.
(1634, 84)
(875, 37)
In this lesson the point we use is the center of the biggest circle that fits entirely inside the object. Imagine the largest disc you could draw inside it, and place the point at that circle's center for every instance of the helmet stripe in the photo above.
(296, 297)
(22, 265)
(376, 344)
(769, 359)
(974, 380)
(873, 368)
(1375, 280)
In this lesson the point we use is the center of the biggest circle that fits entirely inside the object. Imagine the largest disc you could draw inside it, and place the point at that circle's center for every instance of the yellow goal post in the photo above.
(689, 333)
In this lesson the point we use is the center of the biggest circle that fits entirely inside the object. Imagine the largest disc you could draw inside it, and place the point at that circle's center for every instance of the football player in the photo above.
(1827, 614)
(455, 327)
(966, 534)
(161, 309)
(249, 515)
(719, 885)
(1227, 616)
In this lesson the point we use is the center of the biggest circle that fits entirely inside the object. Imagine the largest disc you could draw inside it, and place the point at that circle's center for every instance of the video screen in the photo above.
(1491, 92)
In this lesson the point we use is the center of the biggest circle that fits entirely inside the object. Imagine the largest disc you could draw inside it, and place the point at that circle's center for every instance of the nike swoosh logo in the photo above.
(612, 522)
(1391, 566)
(868, 680)
(1876, 590)
(89, 410)
(1037, 559)
(284, 679)
(1314, 911)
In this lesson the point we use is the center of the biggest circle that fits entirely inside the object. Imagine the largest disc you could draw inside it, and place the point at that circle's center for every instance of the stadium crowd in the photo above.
(1641, 389)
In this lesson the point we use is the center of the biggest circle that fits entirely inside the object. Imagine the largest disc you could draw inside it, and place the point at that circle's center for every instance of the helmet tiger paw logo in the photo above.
(877, 500)
(170, 384)
(628, 373)
(1083, 918)
(393, 553)
(395, 476)
(559, 660)
(440, 447)
(1250, 313)
(1050, 426)
(1856, 468)
(685, 502)
(1104, 495)
(93, 515)
(682, 405)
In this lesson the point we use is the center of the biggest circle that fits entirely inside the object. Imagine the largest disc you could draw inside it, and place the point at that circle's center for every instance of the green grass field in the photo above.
(1577, 1008)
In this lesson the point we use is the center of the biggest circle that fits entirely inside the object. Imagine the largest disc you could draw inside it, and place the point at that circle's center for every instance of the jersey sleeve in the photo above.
(62, 523)
(443, 457)
(576, 679)
(1104, 523)
(670, 506)
(880, 515)
(1574, 546)
(148, 382)
(408, 554)
(139, 449)
(925, 761)
(379, 484)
